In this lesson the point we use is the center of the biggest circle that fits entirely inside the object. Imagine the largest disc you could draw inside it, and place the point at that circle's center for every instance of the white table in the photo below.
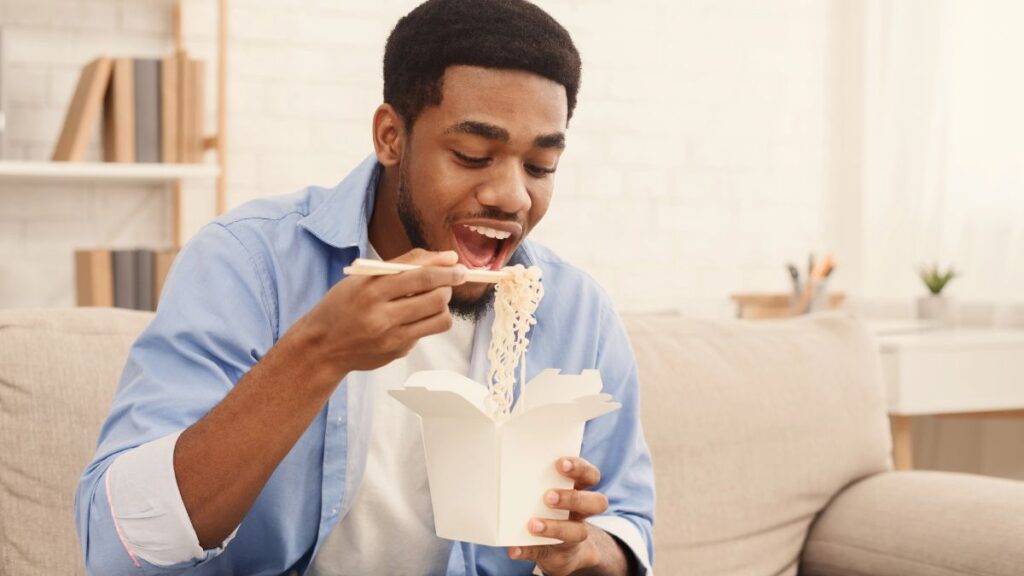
(949, 372)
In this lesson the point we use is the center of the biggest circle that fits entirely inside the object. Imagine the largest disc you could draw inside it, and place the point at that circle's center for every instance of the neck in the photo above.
(386, 232)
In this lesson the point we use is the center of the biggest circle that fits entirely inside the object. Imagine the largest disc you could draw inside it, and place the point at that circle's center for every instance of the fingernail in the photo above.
(566, 465)
(536, 526)
(517, 552)
(552, 497)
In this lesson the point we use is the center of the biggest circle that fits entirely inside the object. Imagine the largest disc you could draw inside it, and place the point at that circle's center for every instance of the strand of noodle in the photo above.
(516, 299)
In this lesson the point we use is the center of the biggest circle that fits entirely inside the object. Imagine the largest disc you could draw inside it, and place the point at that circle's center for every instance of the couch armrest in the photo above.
(917, 524)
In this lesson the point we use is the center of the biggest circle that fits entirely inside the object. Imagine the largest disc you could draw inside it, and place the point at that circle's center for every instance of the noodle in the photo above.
(516, 298)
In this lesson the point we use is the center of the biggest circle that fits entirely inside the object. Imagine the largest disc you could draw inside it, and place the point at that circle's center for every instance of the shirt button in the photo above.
(334, 511)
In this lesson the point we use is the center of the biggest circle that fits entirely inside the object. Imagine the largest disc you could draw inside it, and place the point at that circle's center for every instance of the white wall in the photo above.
(698, 161)
(714, 140)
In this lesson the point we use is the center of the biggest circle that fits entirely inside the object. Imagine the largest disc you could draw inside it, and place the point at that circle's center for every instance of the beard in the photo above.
(469, 308)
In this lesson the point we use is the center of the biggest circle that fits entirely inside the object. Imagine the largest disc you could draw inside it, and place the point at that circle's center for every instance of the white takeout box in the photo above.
(488, 478)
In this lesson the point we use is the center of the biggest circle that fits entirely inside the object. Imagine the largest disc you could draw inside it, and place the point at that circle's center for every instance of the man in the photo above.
(250, 433)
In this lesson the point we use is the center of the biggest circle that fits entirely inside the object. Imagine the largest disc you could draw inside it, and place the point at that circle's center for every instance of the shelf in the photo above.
(17, 171)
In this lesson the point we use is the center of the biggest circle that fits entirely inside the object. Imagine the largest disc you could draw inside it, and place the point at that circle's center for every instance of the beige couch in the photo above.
(770, 445)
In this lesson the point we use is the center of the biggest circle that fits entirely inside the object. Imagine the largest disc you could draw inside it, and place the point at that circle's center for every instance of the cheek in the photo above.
(540, 199)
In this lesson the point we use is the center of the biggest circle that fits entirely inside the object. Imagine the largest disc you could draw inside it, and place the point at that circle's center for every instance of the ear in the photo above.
(388, 135)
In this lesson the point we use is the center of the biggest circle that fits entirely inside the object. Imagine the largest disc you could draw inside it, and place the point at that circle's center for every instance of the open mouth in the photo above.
(484, 245)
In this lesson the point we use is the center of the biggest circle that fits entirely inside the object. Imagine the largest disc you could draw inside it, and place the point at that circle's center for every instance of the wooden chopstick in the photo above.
(367, 267)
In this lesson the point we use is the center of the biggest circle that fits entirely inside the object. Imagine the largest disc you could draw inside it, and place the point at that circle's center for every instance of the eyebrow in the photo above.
(492, 132)
(481, 129)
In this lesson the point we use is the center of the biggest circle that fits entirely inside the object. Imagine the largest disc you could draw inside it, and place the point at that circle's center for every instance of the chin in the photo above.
(471, 291)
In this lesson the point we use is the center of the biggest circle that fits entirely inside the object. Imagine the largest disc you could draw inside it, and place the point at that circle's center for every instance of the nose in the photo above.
(506, 189)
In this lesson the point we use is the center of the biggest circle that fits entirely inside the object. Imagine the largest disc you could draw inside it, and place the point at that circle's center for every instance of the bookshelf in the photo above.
(98, 172)
(173, 174)
(128, 98)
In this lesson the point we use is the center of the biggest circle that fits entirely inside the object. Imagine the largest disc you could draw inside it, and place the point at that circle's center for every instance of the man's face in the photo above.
(478, 171)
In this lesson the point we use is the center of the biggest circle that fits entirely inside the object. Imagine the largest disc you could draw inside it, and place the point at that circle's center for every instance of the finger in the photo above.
(435, 324)
(568, 531)
(578, 502)
(584, 473)
(428, 258)
(531, 553)
(409, 310)
(421, 280)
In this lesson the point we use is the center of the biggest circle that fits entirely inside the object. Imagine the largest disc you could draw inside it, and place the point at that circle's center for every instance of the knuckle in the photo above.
(376, 325)
(580, 532)
(575, 499)
(446, 321)
(441, 298)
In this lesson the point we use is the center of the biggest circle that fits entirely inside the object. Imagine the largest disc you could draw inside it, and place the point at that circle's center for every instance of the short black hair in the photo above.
(501, 34)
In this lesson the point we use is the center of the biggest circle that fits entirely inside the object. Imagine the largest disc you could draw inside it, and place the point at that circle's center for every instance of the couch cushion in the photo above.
(753, 427)
(58, 372)
(920, 524)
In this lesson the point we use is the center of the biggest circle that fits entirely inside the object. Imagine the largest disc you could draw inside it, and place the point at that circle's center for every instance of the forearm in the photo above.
(223, 461)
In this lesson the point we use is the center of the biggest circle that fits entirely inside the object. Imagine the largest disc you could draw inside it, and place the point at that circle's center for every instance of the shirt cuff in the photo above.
(147, 509)
(628, 534)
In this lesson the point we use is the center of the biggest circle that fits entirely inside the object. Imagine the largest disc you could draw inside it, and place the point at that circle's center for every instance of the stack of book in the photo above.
(152, 110)
(121, 278)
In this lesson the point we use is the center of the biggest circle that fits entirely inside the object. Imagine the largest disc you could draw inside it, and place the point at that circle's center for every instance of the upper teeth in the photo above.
(490, 232)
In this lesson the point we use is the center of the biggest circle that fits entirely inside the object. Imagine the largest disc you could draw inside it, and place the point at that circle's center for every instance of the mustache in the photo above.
(496, 214)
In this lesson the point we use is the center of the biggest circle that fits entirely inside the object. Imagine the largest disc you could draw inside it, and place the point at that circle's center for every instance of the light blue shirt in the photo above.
(236, 288)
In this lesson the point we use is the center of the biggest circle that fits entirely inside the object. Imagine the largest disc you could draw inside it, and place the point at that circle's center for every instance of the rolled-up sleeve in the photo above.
(216, 319)
(615, 444)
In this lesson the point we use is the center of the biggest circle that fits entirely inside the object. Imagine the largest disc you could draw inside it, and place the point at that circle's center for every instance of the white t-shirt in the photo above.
(390, 528)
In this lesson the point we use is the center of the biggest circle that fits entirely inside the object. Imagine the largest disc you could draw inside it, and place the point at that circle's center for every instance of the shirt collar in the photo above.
(341, 219)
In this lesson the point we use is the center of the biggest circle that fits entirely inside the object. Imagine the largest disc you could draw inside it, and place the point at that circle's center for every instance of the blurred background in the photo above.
(715, 141)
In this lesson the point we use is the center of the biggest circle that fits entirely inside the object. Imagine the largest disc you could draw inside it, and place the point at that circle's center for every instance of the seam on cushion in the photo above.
(117, 527)
(905, 558)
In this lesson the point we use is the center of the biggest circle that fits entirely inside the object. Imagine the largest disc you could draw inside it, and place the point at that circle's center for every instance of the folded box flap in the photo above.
(577, 411)
(474, 392)
(439, 404)
(551, 387)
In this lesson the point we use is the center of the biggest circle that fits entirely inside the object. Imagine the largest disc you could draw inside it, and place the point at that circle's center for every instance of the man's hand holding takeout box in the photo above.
(583, 546)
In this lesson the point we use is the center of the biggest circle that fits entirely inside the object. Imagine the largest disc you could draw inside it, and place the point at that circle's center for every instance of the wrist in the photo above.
(307, 342)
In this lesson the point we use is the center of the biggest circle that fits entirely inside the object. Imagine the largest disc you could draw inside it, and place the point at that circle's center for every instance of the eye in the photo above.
(539, 171)
(471, 161)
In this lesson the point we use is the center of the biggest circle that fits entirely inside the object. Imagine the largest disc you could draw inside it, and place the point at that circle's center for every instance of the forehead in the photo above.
(522, 102)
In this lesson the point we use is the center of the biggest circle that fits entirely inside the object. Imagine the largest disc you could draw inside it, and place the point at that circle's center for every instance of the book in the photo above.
(83, 111)
(119, 114)
(185, 120)
(125, 279)
(162, 266)
(169, 104)
(145, 278)
(94, 278)
(146, 81)
(197, 73)
(191, 75)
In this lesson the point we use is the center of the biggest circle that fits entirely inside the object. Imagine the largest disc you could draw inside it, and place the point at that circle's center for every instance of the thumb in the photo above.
(427, 258)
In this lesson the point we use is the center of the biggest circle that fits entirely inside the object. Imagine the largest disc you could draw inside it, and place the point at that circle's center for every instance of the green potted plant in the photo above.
(936, 306)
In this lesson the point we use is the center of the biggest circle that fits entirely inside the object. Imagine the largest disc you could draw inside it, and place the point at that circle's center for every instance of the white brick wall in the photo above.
(697, 162)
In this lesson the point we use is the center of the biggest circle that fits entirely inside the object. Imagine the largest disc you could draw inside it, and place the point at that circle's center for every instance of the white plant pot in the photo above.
(939, 309)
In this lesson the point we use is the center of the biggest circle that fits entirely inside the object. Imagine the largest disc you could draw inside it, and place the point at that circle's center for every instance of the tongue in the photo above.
(479, 250)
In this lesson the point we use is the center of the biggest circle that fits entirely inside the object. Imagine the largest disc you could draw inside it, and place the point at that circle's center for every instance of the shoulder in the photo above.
(272, 212)
(565, 284)
(264, 226)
